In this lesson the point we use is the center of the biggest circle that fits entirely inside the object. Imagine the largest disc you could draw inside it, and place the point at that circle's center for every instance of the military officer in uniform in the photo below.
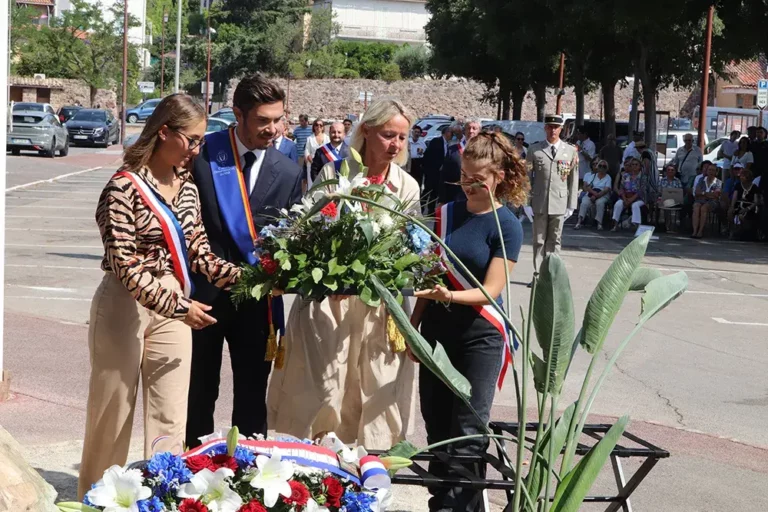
(554, 168)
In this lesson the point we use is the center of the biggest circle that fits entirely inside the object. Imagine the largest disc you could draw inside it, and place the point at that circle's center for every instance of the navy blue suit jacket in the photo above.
(277, 186)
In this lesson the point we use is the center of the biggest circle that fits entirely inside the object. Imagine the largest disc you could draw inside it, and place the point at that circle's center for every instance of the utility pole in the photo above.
(162, 57)
(559, 104)
(125, 71)
(178, 47)
(705, 78)
(208, 73)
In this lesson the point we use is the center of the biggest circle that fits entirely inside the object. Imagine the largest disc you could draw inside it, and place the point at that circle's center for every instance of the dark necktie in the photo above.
(250, 159)
(554, 151)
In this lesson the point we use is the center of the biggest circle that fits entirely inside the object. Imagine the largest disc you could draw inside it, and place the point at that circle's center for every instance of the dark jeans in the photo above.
(475, 348)
(245, 328)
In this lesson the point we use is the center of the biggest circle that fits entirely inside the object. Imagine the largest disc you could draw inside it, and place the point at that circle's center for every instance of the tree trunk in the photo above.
(608, 88)
(505, 107)
(498, 107)
(540, 91)
(578, 89)
(93, 94)
(649, 101)
(518, 98)
(634, 106)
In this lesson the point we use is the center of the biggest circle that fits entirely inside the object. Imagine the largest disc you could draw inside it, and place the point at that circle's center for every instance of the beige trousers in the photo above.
(128, 343)
(547, 235)
(341, 376)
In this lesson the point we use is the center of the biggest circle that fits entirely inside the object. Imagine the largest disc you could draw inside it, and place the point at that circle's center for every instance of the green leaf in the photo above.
(335, 269)
(330, 283)
(286, 264)
(232, 438)
(73, 506)
(367, 228)
(534, 481)
(335, 244)
(405, 449)
(319, 185)
(553, 319)
(317, 274)
(642, 277)
(358, 267)
(435, 360)
(606, 300)
(660, 292)
(301, 259)
(282, 256)
(406, 261)
(260, 290)
(573, 489)
(370, 297)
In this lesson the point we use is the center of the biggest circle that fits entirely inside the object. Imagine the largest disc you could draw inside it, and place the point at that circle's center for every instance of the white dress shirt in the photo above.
(241, 151)
(585, 166)
(556, 146)
(277, 142)
(415, 146)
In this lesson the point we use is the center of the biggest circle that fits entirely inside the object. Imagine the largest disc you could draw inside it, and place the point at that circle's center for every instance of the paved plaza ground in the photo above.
(693, 382)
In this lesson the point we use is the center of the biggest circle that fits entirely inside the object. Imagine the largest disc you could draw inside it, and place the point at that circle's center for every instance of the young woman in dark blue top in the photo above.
(459, 316)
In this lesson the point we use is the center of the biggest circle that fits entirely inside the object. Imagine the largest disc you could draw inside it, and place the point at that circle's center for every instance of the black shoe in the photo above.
(529, 285)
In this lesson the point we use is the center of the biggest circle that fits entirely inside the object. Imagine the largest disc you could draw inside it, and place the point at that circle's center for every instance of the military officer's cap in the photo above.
(554, 119)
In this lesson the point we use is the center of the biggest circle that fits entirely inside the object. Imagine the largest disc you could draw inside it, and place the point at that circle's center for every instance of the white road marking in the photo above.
(58, 217)
(56, 230)
(737, 294)
(51, 180)
(57, 246)
(728, 322)
(54, 267)
(43, 288)
(92, 199)
(30, 297)
(23, 193)
(52, 207)
(709, 271)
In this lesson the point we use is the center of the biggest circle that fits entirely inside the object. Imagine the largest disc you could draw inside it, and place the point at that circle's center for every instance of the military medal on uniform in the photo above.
(563, 169)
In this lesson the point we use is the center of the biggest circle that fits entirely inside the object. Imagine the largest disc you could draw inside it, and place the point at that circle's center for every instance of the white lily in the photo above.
(272, 476)
(119, 490)
(347, 454)
(312, 506)
(386, 221)
(376, 228)
(213, 490)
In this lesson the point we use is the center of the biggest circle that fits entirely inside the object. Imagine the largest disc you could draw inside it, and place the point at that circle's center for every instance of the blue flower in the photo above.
(244, 457)
(151, 505)
(267, 232)
(220, 449)
(420, 239)
(170, 472)
(86, 501)
(357, 501)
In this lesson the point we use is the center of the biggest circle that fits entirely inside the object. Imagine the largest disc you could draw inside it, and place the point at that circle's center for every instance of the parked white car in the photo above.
(675, 141)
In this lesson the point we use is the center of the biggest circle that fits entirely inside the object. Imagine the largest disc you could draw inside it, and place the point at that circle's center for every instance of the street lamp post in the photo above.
(125, 71)
(162, 57)
(208, 73)
(178, 48)
(559, 104)
(705, 78)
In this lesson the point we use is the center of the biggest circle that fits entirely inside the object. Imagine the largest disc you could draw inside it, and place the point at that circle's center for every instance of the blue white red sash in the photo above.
(235, 206)
(330, 154)
(462, 145)
(444, 220)
(172, 231)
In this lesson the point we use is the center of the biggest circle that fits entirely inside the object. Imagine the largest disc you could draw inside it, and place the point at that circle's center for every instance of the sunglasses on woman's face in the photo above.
(192, 143)
(602, 166)
(520, 139)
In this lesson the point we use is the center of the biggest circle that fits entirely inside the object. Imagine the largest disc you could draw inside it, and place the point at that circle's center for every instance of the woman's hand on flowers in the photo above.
(197, 318)
(438, 293)
(411, 356)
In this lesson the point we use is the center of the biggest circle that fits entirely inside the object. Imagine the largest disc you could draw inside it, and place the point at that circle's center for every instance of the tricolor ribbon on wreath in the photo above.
(172, 231)
(443, 219)
(229, 183)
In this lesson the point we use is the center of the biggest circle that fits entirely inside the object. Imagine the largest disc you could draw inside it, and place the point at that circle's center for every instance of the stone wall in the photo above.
(65, 92)
(335, 98)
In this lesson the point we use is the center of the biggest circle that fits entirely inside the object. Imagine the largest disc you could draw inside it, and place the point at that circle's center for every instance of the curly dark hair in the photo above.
(497, 150)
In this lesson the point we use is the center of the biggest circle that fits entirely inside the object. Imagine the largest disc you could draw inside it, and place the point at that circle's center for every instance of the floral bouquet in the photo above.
(235, 474)
(328, 245)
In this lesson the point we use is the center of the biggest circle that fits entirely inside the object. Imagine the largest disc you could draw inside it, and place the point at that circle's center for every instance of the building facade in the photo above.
(739, 89)
(393, 21)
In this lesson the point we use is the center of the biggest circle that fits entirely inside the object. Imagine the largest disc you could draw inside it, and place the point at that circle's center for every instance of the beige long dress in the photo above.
(340, 374)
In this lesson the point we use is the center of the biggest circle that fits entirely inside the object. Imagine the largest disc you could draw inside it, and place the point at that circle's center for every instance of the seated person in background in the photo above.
(629, 194)
(729, 185)
(670, 179)
(597, 189)
(707, 198)
(744, 212)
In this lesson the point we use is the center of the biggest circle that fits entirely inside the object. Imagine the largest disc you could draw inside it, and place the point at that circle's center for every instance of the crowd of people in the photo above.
(179, 219)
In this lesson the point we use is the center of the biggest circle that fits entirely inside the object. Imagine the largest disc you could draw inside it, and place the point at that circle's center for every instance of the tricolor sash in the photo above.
(235, 206)
(462, 145)
(444, 221)
(172, 231)
(330, 154)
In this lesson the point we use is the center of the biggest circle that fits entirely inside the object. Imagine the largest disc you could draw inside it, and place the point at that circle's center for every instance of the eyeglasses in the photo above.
(193, 143)
(520, 139)
(602, 166)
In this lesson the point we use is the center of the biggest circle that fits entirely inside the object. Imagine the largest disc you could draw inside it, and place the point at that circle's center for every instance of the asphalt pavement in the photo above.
(693, 381)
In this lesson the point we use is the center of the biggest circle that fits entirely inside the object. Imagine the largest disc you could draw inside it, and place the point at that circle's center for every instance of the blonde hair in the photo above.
(380, 112)
(498, 151)
(177, 111)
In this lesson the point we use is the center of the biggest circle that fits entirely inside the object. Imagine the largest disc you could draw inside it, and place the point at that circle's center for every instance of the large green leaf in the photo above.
(553, 319)
(642, 277)
(534, 481)
(573, 489)
(606, 300)
(660, 292)
(73, 506)
(436, 360)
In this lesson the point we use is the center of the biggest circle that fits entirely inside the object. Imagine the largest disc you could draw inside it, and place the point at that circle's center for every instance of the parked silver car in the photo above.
(37, 131)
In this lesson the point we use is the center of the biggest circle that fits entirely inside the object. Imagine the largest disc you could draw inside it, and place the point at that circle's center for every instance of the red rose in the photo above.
(197, 463)
(252, 506)
(192, 505)
(330, 210)
(268, 264)
(299, 494)
(223, 461)
(333, 491)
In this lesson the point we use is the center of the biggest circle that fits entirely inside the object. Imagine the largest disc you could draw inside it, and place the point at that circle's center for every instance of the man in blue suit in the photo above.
(285, 145)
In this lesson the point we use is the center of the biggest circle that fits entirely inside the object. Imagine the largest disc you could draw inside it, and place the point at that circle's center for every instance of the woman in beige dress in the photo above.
(318, 138)
(340, 373)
